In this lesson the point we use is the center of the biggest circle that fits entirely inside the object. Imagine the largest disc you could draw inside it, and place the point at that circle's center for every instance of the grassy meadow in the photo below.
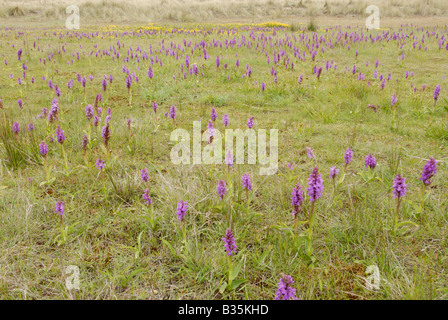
(126, 248)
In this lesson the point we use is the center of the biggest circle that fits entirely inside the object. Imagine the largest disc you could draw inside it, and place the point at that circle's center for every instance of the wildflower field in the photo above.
(87, 177)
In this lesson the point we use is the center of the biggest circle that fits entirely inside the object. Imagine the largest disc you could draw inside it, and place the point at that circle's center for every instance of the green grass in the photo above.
(353, 223)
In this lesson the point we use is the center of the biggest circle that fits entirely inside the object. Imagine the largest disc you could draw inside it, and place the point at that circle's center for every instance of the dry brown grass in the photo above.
(212, 10)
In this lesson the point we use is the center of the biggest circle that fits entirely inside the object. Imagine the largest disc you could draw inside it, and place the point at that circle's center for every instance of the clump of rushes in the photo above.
(182, 208)
(285, 290)
(247, 185)
(296, 201)
(429, 171)
(315, 188)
